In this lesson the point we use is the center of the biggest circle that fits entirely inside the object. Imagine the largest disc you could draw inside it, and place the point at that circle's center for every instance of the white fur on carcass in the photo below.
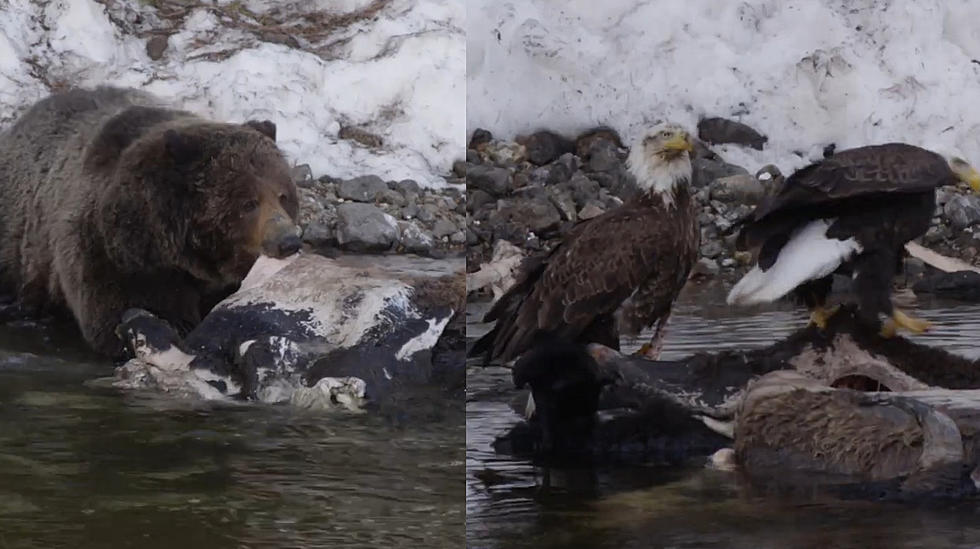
(809, 255)
(313, 284)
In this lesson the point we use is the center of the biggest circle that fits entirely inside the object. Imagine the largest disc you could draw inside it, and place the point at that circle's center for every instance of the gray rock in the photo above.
(722, 224)
(743, 189)
(458, 237)
(544, 147)
(712, 249)
(320, 234)
(592, 208)
(406, 186)
(943, 194)
(443, 227)
(460, 167)
(477, 198)
(427, 213)
(156, 46)
(583, 189)
(962, 211)
(302, 175)
(565, 204)
(558, 173)
(618, 181)
(361, 189)
(364, 228)
(490, 179)
(570, 162)
(535, 214)
(471, 237)
(414, 238)
(706, 170)
(389, 196)
(310, 206)
(504, 153)
(722, 130)
(706, 267)
(410, 211)
(604, 158)
(479, 138)
(594, 138)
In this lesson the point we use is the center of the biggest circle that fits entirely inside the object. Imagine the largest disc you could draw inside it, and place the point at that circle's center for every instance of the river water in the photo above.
(513, 504)
(87, 467)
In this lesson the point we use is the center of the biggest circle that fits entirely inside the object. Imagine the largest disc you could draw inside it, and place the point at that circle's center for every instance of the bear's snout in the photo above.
(282, 237)
(289, 245)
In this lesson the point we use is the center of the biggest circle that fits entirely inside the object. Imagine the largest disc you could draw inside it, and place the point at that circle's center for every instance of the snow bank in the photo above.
(804, 72)
(398, 75)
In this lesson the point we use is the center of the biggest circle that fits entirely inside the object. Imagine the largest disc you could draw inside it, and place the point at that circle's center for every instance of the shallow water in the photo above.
(512, 503)
(87, 467)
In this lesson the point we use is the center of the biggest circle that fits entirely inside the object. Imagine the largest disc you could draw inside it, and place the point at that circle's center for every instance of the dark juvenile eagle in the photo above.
(617, 272)
(850, 213)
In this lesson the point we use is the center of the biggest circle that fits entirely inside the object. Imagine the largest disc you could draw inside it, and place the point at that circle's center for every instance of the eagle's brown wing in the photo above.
(849, 174)
(890, 168)
(599, 264)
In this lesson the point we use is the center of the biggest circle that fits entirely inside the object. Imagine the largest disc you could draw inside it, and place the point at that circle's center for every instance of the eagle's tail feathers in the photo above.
(808, 255)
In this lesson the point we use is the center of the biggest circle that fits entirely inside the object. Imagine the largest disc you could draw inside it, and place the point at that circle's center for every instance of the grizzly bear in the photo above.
(110, 200)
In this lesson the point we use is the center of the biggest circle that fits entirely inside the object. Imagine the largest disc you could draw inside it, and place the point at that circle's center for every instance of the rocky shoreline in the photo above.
(369, 215)
(532, 190)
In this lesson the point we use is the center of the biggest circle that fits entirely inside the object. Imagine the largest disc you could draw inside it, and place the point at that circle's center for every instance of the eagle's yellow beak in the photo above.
(966, 173)
(680, 142)
(973, 178)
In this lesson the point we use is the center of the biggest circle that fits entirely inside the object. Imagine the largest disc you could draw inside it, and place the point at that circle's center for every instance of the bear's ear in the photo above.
(265, 127)
(181, 148)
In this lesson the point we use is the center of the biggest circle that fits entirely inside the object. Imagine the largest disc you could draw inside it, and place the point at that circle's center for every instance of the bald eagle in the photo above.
(617, 272)
(850, 213)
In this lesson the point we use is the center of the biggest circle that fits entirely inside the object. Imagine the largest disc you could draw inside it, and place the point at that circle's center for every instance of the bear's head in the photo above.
(200, 197)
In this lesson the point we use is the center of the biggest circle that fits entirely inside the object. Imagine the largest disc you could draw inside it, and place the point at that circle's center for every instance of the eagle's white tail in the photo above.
(808, 255)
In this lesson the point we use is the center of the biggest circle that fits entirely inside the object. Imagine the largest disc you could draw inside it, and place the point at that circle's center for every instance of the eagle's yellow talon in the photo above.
(820, 315)
(888, 329)
(901, 320)
(914, 325)
(643, 350)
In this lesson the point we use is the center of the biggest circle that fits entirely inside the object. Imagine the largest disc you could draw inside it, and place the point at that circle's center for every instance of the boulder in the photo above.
(490, 179)
(962, 211)
(365, 228)
(544, 147)
(741, 189)
(361, 189)
(722, 130)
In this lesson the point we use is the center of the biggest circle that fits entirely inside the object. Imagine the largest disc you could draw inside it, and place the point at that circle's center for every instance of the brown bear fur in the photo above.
(111, 201)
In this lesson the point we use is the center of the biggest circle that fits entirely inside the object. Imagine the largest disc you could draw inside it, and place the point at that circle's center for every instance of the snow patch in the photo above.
(805, 73)
(398, 74)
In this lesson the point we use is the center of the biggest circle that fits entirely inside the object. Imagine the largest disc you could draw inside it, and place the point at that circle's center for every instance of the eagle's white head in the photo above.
(661, 160)
(965, 172)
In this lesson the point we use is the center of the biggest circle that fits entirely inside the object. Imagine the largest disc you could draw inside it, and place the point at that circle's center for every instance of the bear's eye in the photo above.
(250, 206)
(283, 199)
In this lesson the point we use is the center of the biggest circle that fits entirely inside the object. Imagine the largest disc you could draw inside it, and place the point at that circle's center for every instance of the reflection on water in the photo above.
(513, 504)
(83, 467)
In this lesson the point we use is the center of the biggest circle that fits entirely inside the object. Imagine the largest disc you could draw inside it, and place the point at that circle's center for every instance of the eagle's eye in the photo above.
(665, 133)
